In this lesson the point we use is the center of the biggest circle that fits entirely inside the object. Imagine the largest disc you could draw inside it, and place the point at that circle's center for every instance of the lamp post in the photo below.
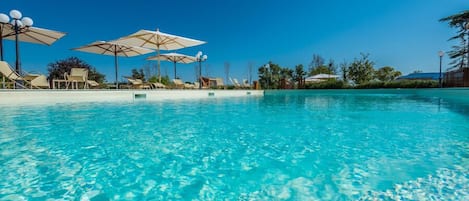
(441, 54)
(4, 20)
(267, 66)
(19, 23)
(200, 58)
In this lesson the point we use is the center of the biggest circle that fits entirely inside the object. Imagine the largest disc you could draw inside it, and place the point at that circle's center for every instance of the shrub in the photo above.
(399, 84)
(164, 79)
(329, 84)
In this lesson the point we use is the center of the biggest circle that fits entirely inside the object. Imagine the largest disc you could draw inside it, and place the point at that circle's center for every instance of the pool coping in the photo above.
(28, 97)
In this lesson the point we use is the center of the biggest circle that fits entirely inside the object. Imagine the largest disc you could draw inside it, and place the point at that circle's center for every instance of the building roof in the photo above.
(422, 76)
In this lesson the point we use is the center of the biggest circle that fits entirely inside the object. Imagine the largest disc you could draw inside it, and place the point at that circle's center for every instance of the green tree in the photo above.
(387, 74)
(275, 70)
(270, 76)
(361, 70)
(93, 74)
(458, 54)
(299, 75)
(264, 76)
(138, 74)
(344, 69)
(58, 69)
(331, 67)
(164, 79)
(316, 62)
(286, 75)
(317, 66)
(320, 69)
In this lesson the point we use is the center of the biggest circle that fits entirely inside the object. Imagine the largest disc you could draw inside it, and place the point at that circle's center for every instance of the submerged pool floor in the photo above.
(281, 146)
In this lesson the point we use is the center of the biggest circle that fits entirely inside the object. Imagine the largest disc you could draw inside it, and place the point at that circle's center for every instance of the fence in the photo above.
(457, 78)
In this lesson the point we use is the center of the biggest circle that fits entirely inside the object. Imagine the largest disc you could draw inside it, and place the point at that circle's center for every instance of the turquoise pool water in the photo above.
(303, 145)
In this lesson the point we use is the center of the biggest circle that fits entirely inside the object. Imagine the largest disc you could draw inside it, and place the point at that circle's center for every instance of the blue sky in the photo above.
(404, 34)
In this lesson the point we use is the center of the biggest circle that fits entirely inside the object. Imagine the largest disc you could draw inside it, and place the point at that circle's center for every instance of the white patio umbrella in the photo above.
(158, 41)
(323, 76)
(113, 49)
(175, 58)
(309, 79)
(31, 35)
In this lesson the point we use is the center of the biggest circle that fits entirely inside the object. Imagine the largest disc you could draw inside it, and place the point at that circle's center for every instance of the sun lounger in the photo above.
(92, 83)
(15, 79)
(37, 80)
(77, 76)
(219, 82)
(246, 83)
(189, 86)
(158, 85)
(235, 82)
(138, 83)
(179, 84)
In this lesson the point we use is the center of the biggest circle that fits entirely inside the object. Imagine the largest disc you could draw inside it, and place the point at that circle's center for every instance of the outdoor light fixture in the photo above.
(19, 24)
(4, 20)
(441, 54)
(267, 66)
(200, 58)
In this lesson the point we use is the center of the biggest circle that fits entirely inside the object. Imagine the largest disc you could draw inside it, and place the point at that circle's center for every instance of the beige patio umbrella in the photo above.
(175, 58)
(158, 41)
(113, 49)
(31, 34)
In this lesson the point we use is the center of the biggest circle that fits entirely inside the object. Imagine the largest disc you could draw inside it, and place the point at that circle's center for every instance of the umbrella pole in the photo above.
(158, 54)
(115, 66)
(1, 41)
(175, 77)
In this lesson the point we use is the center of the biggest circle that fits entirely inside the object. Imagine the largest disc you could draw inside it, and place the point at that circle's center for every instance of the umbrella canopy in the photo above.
(309, 79)
(33, 35)
(323, 76)
(175, 58)
(30, 34)
(114, 49)
(159, 41)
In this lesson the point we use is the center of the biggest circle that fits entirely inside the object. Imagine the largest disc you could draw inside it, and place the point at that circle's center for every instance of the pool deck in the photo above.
(13, 97)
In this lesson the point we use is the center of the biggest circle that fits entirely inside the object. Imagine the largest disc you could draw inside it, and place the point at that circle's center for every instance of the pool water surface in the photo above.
(294, 145)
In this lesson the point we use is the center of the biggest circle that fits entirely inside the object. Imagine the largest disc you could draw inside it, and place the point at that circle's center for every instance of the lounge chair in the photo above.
(219, 82)
(158, 85)
(235, 82)
(205, 81)
(11, 75)
(179, 84)
(33, 80)
(189, 86)
(138, 83)
(77, 76)
(92, 83)
(37, 80)
(246, 83)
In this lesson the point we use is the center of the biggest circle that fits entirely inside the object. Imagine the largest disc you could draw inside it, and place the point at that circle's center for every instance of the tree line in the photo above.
(359, 71)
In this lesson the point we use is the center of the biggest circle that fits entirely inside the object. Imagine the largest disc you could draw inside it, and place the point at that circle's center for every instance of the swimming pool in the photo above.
(287, 145)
